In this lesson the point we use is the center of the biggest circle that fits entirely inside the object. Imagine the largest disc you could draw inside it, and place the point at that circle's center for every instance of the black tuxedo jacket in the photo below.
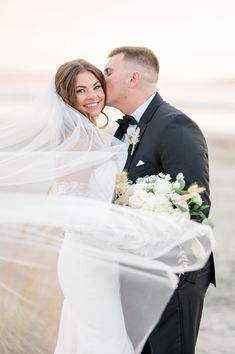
(170, 142)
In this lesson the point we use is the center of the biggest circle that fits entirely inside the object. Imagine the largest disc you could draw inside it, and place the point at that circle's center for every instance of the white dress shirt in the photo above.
(137, 114)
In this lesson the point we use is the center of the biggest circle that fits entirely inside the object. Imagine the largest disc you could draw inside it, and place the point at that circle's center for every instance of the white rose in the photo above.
(162, 186)
(149, 202)
(162, 204)
(138, 198)
(140, 186)
(167, 177)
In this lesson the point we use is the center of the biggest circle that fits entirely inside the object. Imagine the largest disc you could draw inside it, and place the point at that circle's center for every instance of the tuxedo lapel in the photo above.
(145, 119)
(151, 109)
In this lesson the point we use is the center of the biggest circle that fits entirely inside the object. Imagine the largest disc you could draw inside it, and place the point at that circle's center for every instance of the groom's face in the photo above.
(116, 77)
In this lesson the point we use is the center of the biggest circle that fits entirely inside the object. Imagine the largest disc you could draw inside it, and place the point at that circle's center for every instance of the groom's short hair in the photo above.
(141, 55)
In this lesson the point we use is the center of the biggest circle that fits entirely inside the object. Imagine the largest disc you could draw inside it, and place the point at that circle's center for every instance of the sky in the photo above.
(194, 40)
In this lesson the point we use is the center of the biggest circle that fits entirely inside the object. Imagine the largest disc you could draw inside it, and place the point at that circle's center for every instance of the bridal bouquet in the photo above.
(159, 194)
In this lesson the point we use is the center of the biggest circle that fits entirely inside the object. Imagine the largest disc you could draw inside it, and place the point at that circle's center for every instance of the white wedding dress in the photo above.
(92, 320)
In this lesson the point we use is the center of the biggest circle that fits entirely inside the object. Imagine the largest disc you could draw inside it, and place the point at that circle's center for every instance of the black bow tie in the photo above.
(124, 124)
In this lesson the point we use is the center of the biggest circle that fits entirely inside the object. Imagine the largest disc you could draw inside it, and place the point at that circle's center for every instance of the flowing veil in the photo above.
(61, 236)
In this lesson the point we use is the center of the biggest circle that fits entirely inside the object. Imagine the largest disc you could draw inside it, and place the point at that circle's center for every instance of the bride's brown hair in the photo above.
(66, 76)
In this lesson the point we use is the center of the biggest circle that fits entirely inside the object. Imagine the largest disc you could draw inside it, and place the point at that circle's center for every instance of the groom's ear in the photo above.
(135, 78)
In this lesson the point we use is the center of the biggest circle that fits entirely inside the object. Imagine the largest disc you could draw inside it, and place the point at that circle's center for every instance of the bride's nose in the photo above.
(91, 94)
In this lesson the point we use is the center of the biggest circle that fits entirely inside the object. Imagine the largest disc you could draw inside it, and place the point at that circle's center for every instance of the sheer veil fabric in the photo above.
(79, 274)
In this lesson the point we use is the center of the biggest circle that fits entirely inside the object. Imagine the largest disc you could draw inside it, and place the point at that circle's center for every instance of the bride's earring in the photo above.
(107, 121)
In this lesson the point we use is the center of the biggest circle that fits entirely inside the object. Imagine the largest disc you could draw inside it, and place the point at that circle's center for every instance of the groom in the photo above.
(169, 142)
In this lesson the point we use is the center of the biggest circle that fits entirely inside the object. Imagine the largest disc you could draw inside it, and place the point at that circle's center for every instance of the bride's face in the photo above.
(90, 96)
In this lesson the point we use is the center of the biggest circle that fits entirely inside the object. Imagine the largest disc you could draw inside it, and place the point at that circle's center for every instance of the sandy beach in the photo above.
(218, 324)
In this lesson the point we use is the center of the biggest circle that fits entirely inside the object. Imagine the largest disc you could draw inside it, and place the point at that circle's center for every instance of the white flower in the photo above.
(179, 202)
(162, 186)
(138, 198)
(175, 197)
(141, 179)
(150, 187)
(133, 136)
(149, 203)
(180, 179)
(196, 198)
(131, 129)
(147, 179)
(141, 186)
(167, 177)
(176, 185)
(162, 204)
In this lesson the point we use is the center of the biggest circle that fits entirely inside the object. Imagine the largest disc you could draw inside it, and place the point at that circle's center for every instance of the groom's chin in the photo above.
(111, 103)
(108, 102)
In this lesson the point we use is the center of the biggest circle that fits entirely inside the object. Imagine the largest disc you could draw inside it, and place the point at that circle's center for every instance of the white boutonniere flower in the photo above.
(133, 136)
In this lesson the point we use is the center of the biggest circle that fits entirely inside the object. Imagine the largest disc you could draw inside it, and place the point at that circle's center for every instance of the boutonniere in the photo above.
(133, 136)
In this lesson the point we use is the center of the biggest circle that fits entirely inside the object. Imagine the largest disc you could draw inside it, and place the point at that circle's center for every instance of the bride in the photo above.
(116, 265)
(92, 320)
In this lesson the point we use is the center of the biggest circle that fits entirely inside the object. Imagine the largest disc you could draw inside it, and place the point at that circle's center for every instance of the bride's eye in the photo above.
(80, 91)
(97, 87)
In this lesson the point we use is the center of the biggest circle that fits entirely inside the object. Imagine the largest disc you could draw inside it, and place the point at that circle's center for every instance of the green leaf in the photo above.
(204, 206)
(194, 213)
(180, 191)
(202, 215)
